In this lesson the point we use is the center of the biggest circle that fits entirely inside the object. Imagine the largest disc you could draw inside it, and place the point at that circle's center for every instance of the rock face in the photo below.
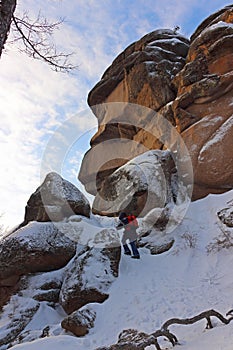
(155, 60)
(55, 200)
(203, 106)
(189, 84)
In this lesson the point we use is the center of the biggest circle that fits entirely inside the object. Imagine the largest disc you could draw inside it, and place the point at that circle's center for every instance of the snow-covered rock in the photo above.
(226, 215)
(179, 283)
(55, 200)
(15, 318)
(43, 286)
(145, 182)
(81, 258)
(90, 276)
(79, 322)
(34, 248)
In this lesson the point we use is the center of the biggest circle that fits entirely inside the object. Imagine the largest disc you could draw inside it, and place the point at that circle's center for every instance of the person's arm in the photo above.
(123, 222)
(119, 226)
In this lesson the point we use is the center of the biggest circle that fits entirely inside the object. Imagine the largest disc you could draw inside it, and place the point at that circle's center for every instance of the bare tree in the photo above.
(7, 9)
(33, 36)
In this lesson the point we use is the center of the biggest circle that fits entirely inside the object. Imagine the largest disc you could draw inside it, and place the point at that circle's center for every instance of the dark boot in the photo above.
(126, 249)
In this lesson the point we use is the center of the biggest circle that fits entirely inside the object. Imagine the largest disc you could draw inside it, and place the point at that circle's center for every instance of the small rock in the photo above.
(79, 322)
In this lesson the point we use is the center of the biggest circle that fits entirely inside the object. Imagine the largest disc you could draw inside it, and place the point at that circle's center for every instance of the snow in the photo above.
(97, 273)
(206, 122)
(76, 228)
(179, 283)
(220, 24)
(58, 343)
(40, 235)
(62, 189)
(172, 41)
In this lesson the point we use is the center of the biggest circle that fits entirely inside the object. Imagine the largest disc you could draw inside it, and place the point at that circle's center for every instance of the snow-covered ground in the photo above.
(181, 283)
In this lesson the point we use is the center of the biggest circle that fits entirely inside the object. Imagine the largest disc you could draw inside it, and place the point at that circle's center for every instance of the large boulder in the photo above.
(36, 247)
(33, 248)
(55, 200)
(155, 59)
(91, 272)
(146, 181)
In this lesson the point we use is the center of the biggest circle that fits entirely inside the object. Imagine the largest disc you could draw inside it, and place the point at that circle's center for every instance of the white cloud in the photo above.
(34, 101)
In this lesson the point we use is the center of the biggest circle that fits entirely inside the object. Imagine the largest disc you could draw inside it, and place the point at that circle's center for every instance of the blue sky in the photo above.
(36, 102)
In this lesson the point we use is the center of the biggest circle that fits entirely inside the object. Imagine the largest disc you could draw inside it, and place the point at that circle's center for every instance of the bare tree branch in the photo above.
(36, 37)
(205, 314)
(139, 340)
(33, 37)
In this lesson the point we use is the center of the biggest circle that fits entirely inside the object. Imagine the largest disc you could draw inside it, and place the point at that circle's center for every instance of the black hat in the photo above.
(122, 215)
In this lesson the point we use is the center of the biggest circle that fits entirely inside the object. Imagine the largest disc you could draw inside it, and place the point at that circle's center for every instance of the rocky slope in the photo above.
(59, 263)
(167, 77)
(65, 265)
(52, 302)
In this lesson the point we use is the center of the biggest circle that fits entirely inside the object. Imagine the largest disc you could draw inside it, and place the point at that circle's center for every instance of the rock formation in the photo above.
(140, 183)
(34, 248)
(55, 200)
(90, 274)
(40, 264)
(203, 106)
(167, 77)
(66, 264)
(141, 75)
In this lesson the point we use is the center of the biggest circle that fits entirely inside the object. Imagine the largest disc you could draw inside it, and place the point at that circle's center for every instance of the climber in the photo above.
(130, 224)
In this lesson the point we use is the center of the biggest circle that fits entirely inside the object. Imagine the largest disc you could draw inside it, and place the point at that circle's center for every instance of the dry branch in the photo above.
(134, 340)
(36, 37)
(187, 321)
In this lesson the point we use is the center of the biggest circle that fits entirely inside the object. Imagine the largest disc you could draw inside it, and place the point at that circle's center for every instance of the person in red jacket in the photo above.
(130, 225)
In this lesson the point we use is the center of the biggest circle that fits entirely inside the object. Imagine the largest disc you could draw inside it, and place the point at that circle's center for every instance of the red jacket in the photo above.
(131, 223)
